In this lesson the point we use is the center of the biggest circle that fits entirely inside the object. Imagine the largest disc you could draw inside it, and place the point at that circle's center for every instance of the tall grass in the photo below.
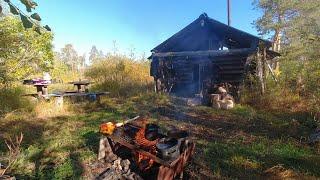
(283, 96)
(121, 76)
(11, 99)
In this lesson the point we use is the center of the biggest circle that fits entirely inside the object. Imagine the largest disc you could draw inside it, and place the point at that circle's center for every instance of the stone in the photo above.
(315, 137)
(125, 165)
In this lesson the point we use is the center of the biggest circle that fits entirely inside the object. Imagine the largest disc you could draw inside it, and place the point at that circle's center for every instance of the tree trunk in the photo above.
(276, 46)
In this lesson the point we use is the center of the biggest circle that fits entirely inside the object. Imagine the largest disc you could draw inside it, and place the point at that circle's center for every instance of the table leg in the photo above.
(79, 87)
(39, 91)
(45, 91)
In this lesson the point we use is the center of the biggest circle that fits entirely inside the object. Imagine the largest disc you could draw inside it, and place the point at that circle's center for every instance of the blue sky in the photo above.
(139, 24)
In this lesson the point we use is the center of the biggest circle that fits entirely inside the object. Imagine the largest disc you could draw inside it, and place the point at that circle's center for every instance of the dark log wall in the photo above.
(188, 75)
(231, 69)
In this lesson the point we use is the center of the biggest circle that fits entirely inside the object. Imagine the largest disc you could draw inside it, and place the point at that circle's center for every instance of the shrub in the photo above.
(297, 89)
(121, 76)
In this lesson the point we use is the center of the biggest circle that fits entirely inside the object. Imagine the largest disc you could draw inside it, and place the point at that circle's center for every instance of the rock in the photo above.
(315, 137)
(194, 102)
(110, 158)
(133, 176)
(117, 170)
(117, 164)
(109, 174)
(125, 165)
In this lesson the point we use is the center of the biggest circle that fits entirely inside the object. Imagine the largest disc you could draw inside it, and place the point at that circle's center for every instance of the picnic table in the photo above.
(82, 92)
(82, 86)
(42, 89)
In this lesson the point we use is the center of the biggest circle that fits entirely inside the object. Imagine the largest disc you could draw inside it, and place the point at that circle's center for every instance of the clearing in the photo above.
(240, 143)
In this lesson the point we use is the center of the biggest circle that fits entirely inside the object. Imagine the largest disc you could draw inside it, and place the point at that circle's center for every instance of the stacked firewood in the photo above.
(114, 167)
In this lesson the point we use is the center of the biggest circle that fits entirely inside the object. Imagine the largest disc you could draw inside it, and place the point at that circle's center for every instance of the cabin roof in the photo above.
(195, 35)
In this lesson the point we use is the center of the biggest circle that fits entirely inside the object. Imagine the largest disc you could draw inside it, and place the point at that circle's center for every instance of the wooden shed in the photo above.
(205, 54)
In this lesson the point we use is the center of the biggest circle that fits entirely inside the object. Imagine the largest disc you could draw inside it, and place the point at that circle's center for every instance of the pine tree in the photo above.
(93, 55)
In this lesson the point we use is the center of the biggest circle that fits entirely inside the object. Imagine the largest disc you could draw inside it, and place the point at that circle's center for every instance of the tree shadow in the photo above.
(77, 167)
(294, 125)
(32, 132)
(92, 140)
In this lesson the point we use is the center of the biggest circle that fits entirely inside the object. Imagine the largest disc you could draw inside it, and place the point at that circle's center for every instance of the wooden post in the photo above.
(78, 87)
(260, 71)
(59, 102)
(264, 65)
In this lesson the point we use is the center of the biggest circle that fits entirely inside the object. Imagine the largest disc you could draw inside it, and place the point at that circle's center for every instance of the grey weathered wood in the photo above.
(102, 148)
(272, 73)
(105, 150)
(260, 71)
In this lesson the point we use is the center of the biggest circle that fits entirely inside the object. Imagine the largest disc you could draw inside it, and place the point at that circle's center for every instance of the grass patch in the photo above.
(236, 160)
(241, 143)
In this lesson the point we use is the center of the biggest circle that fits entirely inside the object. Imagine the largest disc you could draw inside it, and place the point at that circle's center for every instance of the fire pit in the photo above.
(150, 151)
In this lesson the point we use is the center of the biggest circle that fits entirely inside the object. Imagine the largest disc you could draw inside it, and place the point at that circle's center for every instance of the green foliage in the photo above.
(120, 75)
(29, 4)
(276, 13)
(36, 16)
(13, 10)
(22, 52)
(26, 20)
(67, 170)
(297, 22)
(303, 36)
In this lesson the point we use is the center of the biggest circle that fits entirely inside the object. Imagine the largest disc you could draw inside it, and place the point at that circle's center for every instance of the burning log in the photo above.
(144, 162)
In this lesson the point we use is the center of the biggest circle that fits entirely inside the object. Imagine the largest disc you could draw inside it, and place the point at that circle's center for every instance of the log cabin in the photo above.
(206, 54)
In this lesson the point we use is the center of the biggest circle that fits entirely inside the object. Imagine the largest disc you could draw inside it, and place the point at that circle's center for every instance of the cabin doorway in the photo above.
(196, 78)
(199, 75)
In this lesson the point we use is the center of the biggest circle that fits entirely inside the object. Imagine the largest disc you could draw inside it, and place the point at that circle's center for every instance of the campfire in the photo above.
(150, 151)
(143, 161)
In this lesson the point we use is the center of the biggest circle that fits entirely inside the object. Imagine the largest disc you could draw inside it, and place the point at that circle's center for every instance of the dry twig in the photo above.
(14, 151)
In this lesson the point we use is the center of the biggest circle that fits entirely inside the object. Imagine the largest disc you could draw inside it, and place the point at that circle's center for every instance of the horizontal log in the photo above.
(231, 81)
(231, 67)
(234, 63)
(209, 53)
(232, 72)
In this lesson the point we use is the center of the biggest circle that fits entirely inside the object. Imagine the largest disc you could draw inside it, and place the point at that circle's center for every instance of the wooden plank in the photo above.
(32, 94)
(79, 94)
